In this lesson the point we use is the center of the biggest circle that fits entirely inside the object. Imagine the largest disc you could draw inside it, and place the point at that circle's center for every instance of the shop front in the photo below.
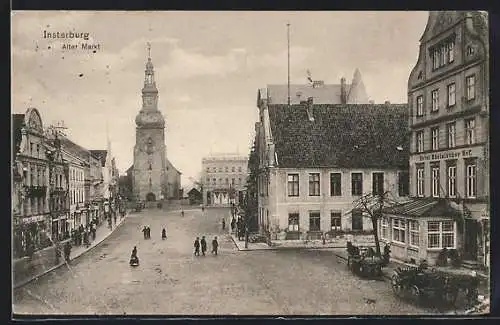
(421, 229)
(31, 234)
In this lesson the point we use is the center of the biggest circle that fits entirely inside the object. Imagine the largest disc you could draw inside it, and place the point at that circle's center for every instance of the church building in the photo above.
(150, 176)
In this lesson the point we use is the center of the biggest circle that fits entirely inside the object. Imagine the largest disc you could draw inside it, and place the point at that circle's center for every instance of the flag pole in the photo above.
(288, 51)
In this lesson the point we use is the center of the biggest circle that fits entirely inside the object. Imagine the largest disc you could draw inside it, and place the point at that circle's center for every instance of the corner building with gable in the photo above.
(448, 98)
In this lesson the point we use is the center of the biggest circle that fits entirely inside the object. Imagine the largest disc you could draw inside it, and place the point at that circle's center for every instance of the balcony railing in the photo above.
(35, 191)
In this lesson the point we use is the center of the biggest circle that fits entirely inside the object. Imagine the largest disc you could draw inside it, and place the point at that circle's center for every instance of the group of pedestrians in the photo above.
(203, 245)
(147, 232)
(84, 234)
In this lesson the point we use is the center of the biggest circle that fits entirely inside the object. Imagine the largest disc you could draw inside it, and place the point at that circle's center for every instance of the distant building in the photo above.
(195, 196)
(316, 159)
(174, 182)
(448, 96)
(343, 93)
(223, 178)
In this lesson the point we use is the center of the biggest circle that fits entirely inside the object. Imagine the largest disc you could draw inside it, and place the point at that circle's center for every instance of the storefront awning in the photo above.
(426, 207)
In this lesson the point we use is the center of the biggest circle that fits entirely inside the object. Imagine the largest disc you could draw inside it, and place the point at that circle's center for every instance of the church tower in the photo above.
(149, 169)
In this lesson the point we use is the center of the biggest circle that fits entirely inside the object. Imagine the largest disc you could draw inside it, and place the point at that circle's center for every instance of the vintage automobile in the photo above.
(364, 264)
(417, 282)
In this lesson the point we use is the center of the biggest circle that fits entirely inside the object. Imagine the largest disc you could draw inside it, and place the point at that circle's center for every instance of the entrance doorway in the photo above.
(150, 197)
(470, 239)
(209, 198)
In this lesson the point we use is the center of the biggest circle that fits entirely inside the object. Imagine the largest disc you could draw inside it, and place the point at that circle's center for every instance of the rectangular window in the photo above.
(232, 181)
(420, 181)
(293, 185)
(314, 221)
(357, 220)
(403, 183)
(335, 220)
(435, 59)
(357, 183)
(335, 184)
(232, 169)
(420, 105)
(435, 138)
(451, 51)
(227, 180)
(470, 82)
(471, 180)
(239, 169)
(214, 181)
(470, 131)
(420, 141)
(399, 230)
(384, 233)
(451, 95)
(451, 175)
(450, 130)
(435, 181)
(378, 183)
(414, 233)
(314, 184)
(293, 222)
(441, 234)
(435, 100)
(208, 169)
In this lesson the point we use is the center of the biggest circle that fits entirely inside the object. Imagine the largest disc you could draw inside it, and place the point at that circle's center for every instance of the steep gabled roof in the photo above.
(171, 166)
(343, 136)
(74, 148)
(426, 207)
(101, 155)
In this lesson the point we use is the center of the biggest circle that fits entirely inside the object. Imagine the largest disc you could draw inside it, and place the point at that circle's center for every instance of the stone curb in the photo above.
(25, 282)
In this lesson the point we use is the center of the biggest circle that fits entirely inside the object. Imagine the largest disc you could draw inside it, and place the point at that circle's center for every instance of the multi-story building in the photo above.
(77, 159)
(316, 160)
(174, 182)
(93, 179)
(343, 93)
(448, 96)
(58, 186)
(223, 178)
(31, 215)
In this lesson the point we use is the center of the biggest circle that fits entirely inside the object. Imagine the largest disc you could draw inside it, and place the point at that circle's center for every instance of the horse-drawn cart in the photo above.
(364, 264)
(438, 286)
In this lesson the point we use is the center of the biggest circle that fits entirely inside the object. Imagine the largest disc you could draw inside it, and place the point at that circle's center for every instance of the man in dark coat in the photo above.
(215, 246)
(223, 224)
(203, 245)
(145, 231)
(67, 251)
(233, 223)
(163, 234)
(197, 247)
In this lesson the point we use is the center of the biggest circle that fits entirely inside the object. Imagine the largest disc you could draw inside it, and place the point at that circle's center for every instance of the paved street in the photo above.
(170, 280)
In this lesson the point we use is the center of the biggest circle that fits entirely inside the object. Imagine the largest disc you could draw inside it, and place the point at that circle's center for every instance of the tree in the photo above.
(373, 205)
(250, 206)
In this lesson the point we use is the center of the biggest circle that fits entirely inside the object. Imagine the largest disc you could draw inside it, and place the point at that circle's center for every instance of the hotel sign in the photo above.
(475, 152)
(32, 219)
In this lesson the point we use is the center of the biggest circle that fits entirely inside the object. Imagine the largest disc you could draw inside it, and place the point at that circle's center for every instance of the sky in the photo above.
(208, 68)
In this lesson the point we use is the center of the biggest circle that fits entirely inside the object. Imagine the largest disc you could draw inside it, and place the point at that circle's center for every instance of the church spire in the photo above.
(149, 92)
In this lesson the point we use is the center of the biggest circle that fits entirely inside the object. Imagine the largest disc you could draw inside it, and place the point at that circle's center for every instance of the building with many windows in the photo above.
(448, 93)
(316, 159)
(224, 178)
(30, 196)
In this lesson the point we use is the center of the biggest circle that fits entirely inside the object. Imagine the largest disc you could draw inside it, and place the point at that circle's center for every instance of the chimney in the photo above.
(387, 102)
(309, 108)
(343, 91)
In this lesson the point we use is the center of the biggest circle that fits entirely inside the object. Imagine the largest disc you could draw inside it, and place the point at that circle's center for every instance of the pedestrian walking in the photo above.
(94, 229)
(145, 232)
(149, 233)
(163, 234)
(203, 243)
(197, 246)
(233, 223)
(215, 246)
(223, 224)
(67, 251)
